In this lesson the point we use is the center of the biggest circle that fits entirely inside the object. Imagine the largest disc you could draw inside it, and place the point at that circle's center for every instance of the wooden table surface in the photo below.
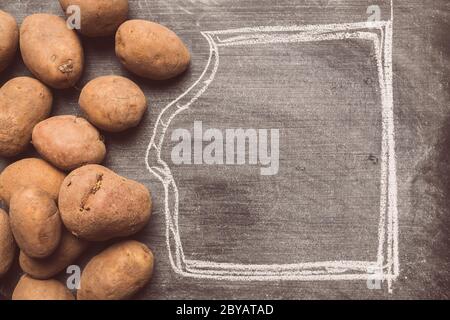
(323, 97)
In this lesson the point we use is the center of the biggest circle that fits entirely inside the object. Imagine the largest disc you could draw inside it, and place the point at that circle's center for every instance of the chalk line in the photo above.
(387, 254)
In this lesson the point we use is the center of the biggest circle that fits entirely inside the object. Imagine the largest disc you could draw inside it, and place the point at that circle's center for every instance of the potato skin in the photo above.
(69, 249)
(35, 222)
(23, 103)
(96, 204)
(31, 289)
(9, 39)
(99, 18)
(151, 50)
(117, 273)
(68, 142)
(113, 103)
(7, 244)
(30, 172)
(51, 51)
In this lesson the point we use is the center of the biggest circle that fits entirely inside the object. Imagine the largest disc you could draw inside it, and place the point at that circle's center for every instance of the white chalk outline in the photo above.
(387, 262)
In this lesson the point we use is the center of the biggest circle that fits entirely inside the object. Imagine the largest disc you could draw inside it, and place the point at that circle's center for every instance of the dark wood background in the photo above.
(323, 203)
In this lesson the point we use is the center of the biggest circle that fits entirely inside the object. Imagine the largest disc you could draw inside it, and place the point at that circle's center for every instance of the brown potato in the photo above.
(113, 103)
(151, 50)
(68, 142)
(7, 244)
(35, 222)
(23, 103)
(99, 18)
(51, 51)
(31, 289)
(69, 249)
(117, 273)
(30, 172)
(9, 39)
(96, 204)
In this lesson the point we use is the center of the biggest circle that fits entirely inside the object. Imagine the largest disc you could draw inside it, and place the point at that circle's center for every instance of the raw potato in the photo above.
(117, 273)
(35, 222)
(69, 249)
(151, 50)
(113, 103)
(7, 244)
(30, 172)
(23, 103)
(68, 142)
(9, 39)
(51, 50)
(96, 204)
(99, 18)
(31, 289)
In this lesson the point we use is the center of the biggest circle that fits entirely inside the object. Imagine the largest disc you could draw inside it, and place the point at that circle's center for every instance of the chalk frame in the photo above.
(386, 265)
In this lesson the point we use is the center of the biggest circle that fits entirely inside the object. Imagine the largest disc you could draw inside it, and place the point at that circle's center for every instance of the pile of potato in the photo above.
(61, 203)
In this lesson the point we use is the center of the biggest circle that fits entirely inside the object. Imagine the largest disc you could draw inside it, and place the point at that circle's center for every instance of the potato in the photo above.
(35, 222)
(51, 50)
(96, 204)
(69, 249)
(68, 142)
(30, 172)
(151, 50)
(117, 273)
(113, 103)
(23, 103)
(9, 39)
(99, 18)
(7, 244)
(31, 289)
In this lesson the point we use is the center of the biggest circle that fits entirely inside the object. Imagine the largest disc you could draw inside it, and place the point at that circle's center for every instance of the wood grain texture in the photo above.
(323, 203)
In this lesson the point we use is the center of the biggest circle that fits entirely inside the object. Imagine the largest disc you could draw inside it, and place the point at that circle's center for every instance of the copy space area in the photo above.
(324, 202)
